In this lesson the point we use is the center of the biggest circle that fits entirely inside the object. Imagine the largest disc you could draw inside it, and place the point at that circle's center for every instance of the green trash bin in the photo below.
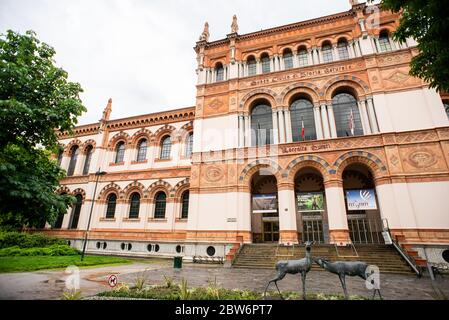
(177, 263)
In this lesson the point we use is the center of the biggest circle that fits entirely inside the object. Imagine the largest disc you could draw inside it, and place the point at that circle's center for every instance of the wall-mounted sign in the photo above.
(310, 202)
(264, 203)
(364, 199)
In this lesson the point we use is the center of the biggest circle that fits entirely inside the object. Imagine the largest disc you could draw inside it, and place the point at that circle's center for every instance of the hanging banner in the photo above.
(265, 203)
(310, 202)
(364, 199)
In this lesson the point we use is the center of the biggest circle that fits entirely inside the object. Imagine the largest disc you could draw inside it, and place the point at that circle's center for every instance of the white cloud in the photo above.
(140, 53)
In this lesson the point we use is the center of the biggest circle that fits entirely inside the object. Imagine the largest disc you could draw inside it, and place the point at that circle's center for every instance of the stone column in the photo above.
(281, 126)
(241, 131)
(309, 57)
(325, 122)
(317, 118)
(351, 50)
(258, 67)
(372, 116)
(364, 117)
(281, 60)
(247, 131)
(330, 114)
(288, 231)
(335, 56)
(288, 126)
(336, 212)
(272, 64)
(295, 60)
(275, 127)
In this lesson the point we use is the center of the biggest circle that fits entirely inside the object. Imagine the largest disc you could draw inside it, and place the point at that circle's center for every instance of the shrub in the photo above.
(54, 250)
(71, 295)
(25, 240)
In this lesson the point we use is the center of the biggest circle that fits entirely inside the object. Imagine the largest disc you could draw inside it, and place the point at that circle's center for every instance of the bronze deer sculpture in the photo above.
(301, 266)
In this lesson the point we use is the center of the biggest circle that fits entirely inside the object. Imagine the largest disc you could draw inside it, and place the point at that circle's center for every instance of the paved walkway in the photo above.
(51, 284)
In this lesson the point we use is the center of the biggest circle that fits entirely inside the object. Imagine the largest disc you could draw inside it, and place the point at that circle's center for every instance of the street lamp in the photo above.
(97, 174)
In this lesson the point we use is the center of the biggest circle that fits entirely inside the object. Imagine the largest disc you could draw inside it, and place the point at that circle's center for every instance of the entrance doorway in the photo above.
(311, 212)
(364, 221)
(264, 208)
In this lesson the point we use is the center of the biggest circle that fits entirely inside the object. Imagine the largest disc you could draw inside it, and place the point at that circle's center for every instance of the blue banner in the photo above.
(364, 199)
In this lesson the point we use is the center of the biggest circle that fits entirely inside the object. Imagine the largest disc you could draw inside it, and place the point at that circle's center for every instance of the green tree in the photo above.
(36, 100)
(427, 21)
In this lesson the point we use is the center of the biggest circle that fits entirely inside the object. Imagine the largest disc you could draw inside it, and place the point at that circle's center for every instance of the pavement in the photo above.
(50, 284)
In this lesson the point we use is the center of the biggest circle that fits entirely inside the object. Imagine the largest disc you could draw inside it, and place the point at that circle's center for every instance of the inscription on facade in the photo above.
(315, 147)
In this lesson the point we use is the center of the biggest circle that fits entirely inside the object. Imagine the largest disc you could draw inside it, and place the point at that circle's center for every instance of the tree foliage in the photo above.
(36, 99)
(427, 21)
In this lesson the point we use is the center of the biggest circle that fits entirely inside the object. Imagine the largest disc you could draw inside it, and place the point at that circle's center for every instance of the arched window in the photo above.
(343, 51)
(120, 152)
(142, 150)
(160, 202)
(265, 63)
(73, 158)
(302, 57)
(189, 145)
(446, 107)
(60, 155)
(252, 66)
(327, 52)
(89, 152)
(185, 205)
(261, 125)
(165, 148)
(347, 116)
(134, 206)
(384, 42)
(303, 120)
(76, 211)
(219, 72)
(112, 203)
(288, 59)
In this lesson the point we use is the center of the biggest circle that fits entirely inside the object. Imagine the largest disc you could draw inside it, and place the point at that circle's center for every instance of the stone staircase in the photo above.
(264, 256)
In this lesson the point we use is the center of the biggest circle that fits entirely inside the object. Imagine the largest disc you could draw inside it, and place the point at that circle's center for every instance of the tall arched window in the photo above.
(446, 107)
(347, 116)
(165, 148)
(60, 155)
(89, 152)
(288, 59)
(111, 204)
(219, 72)
(384, 41)
(142, 150)
(73, 158)
(327, 52)
(120, 152)
(185, 205)
(252, 66)
(303, 120)
(134, 206)
(343, 51)
(302, 57)
(189, 145)
(160, 202)
(76, 211)
(265, 63)
(261, 125)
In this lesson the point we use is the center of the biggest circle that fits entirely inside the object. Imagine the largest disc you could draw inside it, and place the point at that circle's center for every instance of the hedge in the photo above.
(26, 240)
(53, 250)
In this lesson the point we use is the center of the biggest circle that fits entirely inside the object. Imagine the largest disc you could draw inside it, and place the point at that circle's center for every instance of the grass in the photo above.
(33, 263)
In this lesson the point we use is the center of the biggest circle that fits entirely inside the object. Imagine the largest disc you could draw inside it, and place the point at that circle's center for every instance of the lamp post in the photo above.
(97, 174)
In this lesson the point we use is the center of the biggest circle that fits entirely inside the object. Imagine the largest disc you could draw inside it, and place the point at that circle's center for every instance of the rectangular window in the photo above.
(265, 65)
(288, 61)
(327, 55)
(303, 59)
(252, 71)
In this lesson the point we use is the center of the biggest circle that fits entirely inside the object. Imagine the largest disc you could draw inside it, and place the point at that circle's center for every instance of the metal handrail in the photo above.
(410, 261)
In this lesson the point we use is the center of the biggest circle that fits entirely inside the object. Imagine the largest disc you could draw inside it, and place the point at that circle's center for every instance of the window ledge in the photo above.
(139, 162)
(113, 164)
(103, 219)
(131, 220)
(181, 219)
(157, 219)
(163, 160)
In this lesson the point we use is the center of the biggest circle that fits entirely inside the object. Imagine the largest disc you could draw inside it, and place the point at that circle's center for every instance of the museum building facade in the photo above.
(309, 131)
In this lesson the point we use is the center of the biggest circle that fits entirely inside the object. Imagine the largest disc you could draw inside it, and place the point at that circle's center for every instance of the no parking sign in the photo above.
(112, 280)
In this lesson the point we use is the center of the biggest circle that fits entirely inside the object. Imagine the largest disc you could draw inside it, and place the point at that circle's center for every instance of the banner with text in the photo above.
(310, 202)
(364, 199)
(264, 203)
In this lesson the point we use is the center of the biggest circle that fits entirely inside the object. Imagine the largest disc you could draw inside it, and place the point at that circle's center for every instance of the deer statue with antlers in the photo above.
(301, 266)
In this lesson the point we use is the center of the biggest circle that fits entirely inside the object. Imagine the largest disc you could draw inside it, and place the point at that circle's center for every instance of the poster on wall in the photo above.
(265, 203)
(364, 199)
(310, 202)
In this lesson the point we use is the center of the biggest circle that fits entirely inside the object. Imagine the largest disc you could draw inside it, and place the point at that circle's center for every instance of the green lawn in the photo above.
(32, 263)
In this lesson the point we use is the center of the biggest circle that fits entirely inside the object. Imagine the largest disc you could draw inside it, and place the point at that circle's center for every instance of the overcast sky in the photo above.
(140, 52)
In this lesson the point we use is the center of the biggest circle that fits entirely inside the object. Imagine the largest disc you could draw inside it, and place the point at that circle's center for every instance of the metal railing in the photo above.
(363, 230)
(312, 230)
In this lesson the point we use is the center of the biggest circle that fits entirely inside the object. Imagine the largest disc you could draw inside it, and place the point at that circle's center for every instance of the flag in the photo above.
(351, 123)
(303, 131)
